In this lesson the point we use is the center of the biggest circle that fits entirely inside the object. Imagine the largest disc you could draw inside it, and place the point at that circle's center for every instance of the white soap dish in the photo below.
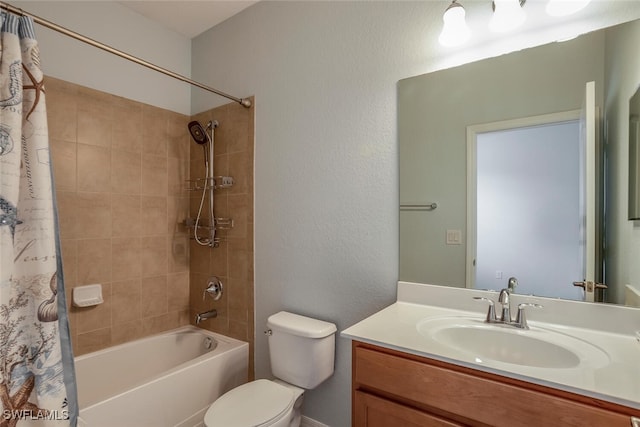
(87, 296)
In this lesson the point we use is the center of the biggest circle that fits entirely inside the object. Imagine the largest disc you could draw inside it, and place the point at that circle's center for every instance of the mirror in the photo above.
(435, 111)
(634, 156)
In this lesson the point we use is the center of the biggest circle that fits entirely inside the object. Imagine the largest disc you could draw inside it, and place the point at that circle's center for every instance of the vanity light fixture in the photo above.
(455, 31)
(565, 7)
(507, 15)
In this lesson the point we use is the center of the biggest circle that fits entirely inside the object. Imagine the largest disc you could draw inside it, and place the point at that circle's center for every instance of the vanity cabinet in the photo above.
(392, 388)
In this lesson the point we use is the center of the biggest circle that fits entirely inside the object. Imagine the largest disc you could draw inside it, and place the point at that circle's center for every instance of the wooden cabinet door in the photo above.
(372, 411)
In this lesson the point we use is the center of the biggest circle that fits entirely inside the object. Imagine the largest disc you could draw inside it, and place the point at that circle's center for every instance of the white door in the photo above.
(525, 205)
(590, 232)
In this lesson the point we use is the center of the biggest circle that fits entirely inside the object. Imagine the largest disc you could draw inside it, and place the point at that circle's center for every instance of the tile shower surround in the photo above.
(119, 170)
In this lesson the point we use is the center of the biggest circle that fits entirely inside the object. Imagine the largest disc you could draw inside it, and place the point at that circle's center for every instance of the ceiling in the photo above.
(191, 18)
(186, 17)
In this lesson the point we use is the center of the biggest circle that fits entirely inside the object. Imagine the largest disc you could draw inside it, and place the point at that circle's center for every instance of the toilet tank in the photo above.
(302, 349)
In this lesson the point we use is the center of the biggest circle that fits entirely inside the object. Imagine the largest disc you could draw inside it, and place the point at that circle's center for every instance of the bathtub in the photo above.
(168, 379)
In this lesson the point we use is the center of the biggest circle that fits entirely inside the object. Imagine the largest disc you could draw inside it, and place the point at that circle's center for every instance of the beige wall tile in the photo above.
(219, 261)
(177, 175)
(196, 167)
(154, 137)
(154, 215)
(67, 214)
(94, 173)
(240, 260)
(62, 109)
(240, 209)
(127, 128)
(178, 291)
(126, 258)
(126, 301)
(63, 158)
(238, 296)
(197, 285)
(92, 341)
(154, 299)
(94, 261)
(177, 212)
(154, 256)
(154, 176)
(241, 169)
(126, 172)
(165, 322)
(95, 117)
(178, 253)
(126, 215)
(221, 167)
(93, 215)
(125, 332)
(178, 138)
(69, 250)
(199, 257)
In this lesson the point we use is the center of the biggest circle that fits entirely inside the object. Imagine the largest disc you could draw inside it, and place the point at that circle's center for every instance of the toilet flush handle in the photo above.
(268, 332)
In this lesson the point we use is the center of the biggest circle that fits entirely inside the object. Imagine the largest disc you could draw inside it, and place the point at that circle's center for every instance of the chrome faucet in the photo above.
(503, 299)
(505, 318)
(206, 315)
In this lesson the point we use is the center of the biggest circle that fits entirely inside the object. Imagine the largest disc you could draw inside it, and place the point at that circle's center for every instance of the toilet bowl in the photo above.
(294, 341)
(257, 403)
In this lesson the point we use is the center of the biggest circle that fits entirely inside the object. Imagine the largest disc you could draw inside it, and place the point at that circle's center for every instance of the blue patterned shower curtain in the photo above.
(37, 381)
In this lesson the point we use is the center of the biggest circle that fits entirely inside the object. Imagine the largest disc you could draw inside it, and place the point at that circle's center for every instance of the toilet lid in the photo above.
(251, 404)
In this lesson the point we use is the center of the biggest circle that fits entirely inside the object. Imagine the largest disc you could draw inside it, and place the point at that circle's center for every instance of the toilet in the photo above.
(302, 352)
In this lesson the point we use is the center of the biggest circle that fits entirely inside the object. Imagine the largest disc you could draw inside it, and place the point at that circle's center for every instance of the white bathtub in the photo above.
(163, 380)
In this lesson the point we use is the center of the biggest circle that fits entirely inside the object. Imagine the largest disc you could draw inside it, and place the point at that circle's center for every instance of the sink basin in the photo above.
(536, 347)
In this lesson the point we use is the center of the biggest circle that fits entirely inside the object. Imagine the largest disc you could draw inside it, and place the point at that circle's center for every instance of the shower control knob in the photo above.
(214, 288)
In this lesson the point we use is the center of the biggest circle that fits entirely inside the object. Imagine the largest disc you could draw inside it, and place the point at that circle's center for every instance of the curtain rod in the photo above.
(55, 27)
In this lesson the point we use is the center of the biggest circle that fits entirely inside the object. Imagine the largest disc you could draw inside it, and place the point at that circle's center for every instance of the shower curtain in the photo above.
(37, 381)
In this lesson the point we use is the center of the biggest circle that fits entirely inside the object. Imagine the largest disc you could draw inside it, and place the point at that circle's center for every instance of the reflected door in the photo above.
(526, 204)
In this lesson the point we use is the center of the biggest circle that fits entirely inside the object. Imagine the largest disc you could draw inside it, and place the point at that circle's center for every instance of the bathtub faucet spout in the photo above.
(206, 315)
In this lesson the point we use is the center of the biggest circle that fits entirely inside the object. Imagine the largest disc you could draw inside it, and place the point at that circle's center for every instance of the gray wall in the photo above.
(325, 76)
(623, 236)
(121, 28)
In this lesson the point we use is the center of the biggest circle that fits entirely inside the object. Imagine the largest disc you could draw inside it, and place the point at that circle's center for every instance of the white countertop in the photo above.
(617, 380)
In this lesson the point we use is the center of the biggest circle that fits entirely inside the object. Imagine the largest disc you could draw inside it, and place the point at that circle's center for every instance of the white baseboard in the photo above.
(310, 422)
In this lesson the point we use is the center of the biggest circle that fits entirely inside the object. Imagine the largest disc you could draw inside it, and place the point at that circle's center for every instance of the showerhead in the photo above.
(198, 133)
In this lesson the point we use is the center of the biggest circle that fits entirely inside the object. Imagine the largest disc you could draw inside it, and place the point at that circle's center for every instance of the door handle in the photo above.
(590, 286)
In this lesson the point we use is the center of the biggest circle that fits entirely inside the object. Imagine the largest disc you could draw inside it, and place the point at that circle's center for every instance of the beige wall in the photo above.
(232, 261)
(118, 168)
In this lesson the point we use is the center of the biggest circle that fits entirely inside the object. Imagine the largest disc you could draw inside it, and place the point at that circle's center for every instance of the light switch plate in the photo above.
(454, 237)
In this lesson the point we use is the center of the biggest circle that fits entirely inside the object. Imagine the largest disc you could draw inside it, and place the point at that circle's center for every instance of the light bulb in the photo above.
(507, 16)
(455, 31)
(565, 7)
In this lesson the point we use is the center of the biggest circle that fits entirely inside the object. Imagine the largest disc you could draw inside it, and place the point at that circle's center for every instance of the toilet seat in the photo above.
(254, 404)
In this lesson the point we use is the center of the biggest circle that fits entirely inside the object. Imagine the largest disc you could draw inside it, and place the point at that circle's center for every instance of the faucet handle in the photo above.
(521, 319)
(214, 288)
(491, 314)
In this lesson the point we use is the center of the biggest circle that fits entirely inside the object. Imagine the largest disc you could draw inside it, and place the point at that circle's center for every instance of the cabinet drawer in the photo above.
(372, 411)
(483, 400)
